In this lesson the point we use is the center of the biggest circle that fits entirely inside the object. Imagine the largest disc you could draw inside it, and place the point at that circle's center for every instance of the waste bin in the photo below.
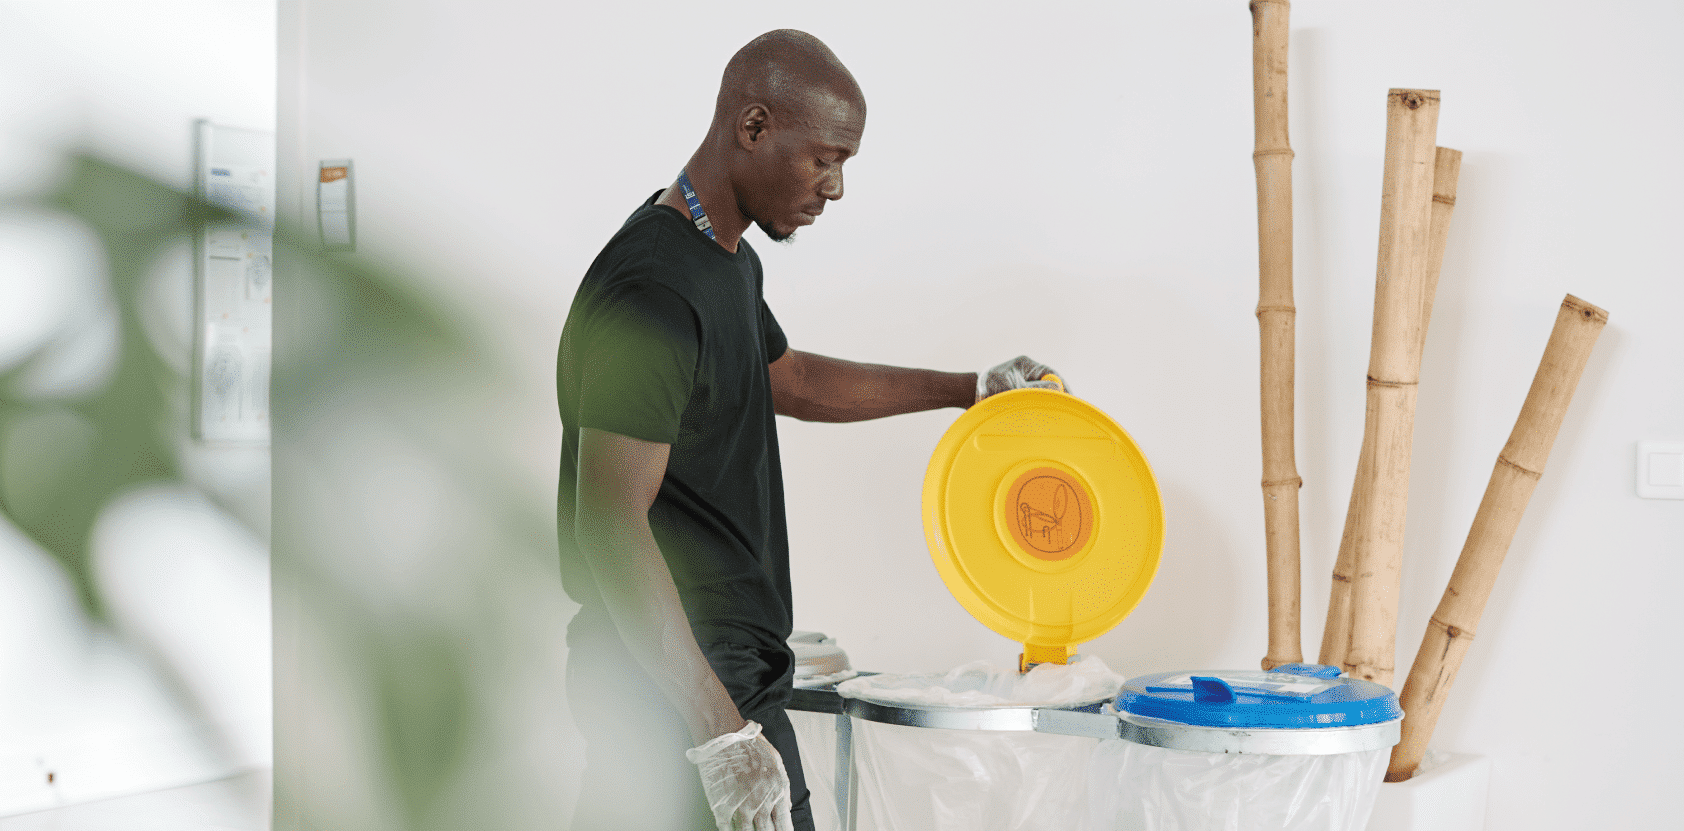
(961, 752)
(1294, 749)
(1045, 522)
(822, 732)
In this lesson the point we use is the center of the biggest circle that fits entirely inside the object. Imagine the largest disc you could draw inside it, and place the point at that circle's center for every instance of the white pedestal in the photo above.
(1448, 797)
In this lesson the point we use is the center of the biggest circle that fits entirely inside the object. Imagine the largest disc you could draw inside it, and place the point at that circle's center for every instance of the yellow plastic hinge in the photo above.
(1034, 653)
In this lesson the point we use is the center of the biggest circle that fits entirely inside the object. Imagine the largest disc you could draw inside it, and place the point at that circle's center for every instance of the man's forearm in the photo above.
(818, 388)
(643, 602)
(618, 479)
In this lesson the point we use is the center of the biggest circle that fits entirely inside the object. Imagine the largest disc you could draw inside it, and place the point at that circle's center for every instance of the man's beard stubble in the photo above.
(781, 239)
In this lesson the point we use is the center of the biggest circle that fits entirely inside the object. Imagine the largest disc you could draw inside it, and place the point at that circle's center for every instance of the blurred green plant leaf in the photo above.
(355, 343)
(62, 461)
(425, 708)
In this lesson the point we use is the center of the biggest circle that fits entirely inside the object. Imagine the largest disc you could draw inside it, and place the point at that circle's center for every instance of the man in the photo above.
(670, 510)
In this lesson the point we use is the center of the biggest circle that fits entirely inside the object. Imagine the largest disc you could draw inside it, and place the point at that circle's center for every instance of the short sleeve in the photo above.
(637, 364)
(772, 335)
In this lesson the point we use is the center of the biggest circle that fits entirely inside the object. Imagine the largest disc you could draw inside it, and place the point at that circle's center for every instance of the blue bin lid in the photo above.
(1298, 696)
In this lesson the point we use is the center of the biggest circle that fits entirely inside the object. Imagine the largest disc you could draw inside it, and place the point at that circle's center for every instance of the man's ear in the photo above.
(751, 126)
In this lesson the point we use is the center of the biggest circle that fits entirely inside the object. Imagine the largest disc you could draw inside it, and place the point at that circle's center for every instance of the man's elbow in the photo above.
(795, 407)
(808, 409)
(602, 526)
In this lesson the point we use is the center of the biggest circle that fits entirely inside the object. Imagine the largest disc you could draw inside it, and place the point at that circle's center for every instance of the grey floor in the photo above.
(237, 804)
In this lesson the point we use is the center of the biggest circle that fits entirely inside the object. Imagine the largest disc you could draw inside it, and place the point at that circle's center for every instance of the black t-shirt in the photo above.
(668, 340)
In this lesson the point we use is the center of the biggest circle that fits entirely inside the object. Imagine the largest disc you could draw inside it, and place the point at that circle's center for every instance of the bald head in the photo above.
(789, 114)
(791, 73)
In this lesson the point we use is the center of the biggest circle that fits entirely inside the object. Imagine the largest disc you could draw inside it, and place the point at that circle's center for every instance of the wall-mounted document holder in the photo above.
(336, 206)
(233, 267)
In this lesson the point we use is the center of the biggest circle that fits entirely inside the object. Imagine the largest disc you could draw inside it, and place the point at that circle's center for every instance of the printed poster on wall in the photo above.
(235, 266)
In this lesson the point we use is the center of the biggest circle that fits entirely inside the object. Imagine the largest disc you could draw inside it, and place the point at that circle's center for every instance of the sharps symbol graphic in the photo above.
(1051, 514)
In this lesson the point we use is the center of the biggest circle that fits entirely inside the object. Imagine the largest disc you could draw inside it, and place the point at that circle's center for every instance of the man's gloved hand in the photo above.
(1016, 373)
(745, 781)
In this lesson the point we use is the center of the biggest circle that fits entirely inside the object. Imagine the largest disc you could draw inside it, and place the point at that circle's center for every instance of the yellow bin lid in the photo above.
(1043, 519)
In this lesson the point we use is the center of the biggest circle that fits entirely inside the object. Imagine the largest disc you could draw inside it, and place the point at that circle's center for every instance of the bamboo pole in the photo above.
(1447, 169)
(1275, 322)
(1451, 629)
(1336, 635)
(1393, 369)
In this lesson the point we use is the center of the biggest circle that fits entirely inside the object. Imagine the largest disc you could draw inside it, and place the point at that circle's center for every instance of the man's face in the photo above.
(799, 170)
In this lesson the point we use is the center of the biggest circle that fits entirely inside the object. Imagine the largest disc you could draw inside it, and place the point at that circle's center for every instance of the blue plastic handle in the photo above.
(1208, 690)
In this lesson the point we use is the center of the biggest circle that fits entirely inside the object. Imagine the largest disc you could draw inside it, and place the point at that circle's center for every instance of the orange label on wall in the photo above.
(1051, 514)
(333, 174)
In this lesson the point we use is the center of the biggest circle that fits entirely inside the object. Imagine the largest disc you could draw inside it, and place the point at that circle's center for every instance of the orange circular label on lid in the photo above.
(1051, 513)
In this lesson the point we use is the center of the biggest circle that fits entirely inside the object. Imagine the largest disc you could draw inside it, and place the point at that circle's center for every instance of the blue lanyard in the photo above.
(697, 215)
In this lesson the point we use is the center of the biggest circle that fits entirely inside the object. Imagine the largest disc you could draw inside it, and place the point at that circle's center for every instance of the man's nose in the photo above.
(831, 186)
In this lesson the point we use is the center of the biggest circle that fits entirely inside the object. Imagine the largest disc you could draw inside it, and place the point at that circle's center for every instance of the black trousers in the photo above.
(636, 776)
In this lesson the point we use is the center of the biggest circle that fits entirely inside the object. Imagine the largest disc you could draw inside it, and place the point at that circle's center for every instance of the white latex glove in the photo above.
(745, 781)
(1016, 373)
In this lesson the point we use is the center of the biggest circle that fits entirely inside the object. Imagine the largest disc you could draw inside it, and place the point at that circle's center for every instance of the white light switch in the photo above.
(1660, 469)
(1666, 469)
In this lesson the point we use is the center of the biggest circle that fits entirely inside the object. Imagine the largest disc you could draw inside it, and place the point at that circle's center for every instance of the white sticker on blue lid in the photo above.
(1278, 684)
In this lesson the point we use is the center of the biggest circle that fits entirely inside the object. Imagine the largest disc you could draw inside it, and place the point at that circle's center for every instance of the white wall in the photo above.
(174, 688)
(1074, 182)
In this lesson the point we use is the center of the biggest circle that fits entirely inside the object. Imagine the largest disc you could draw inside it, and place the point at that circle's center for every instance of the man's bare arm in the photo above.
(816, 388)
(619, 477)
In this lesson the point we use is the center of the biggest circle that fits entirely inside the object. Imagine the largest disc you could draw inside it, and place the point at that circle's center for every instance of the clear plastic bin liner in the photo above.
(923, 779)
(981, 684)
(815, 735)
(918, 779)
(1133, 787)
